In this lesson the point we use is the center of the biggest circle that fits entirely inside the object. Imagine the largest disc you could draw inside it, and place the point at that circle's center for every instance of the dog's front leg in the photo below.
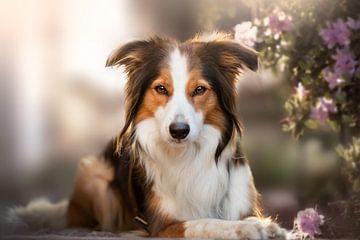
(250, 228)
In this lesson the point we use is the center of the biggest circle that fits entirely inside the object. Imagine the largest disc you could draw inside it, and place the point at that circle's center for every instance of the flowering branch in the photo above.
(320, 56)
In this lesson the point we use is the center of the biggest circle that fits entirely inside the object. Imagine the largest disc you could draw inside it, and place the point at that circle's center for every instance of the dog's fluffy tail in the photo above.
(36, 215)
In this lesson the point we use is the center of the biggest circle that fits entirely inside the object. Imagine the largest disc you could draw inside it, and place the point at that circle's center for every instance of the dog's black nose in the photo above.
(179, 130)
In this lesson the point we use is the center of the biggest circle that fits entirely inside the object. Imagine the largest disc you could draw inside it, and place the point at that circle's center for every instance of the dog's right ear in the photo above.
(135, 55)
(127, 53)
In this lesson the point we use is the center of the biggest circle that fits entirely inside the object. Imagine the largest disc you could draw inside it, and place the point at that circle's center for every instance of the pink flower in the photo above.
(345, 62)
(322, 109)
(332, 78)
(336, 33)
(279, 22)
(308, 222)
(319, 113)
(300, 91)
(246, 33)
(353, 24)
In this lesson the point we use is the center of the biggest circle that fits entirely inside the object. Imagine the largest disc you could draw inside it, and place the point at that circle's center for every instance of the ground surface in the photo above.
(77, 234)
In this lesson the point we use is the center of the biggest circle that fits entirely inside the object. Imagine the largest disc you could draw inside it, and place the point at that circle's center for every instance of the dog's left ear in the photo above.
(235, 54)
(229, 57)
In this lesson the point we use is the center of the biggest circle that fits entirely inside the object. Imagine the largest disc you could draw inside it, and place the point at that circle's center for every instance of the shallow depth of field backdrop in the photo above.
(58, 102)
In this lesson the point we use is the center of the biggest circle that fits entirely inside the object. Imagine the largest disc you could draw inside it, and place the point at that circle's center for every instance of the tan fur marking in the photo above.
(93, 202)
(207, 103)
(257, 211)
(212, 37)
(174, 230)
(158, 221)
(152, 99)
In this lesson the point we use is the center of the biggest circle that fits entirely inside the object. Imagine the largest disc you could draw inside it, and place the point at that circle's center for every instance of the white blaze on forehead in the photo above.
(179, 108)
(179, 71)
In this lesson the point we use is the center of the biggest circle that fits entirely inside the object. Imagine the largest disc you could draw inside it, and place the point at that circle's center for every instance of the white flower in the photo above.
(300, 91)
(246, 33)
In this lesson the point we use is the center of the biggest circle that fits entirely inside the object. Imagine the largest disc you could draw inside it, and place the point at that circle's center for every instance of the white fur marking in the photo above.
(238, 201)
(186, 178)
(251, 228)
(179, 108)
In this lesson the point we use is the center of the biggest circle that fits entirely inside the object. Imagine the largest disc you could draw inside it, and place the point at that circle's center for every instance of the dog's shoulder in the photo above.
(129, 177)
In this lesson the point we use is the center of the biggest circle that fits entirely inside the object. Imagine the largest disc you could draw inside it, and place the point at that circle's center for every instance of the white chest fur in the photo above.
(187, 179)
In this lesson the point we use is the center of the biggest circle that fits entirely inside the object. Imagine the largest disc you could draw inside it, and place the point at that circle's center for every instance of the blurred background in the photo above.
(59, 103)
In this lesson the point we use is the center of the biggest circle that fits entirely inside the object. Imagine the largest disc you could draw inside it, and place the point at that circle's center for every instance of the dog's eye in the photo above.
(161, 90)
(200, 90)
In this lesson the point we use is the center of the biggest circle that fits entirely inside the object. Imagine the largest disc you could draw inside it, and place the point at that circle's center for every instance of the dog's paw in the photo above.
(254, 228)
(250, 228)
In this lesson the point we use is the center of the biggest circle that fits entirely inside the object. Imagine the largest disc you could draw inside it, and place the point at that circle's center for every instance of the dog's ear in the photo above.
(136, 54)
(232, 58)
(239, 55)
(141, 61)
(126, 54)
(229, 58)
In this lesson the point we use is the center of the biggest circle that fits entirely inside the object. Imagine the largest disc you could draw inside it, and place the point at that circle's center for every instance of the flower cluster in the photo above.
(278, 22)
(337, 35)
(272, 37)
(320, 57)
(308, 222)
(345, 61)
(353, 24)
(332, 78)
(246, 33)
(323, 108)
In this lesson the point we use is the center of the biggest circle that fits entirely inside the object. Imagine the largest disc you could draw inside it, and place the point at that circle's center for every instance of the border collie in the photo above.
(176, 169)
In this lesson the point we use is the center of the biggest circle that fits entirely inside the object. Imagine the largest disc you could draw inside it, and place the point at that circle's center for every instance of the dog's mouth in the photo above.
(178, 142)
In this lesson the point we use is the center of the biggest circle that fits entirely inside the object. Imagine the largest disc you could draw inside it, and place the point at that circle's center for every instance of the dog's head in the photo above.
(183, 87)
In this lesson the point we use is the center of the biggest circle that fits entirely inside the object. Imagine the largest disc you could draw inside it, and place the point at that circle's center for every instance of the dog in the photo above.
(176, 169)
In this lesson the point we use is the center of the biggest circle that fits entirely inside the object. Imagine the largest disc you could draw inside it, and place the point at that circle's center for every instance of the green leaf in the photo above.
(312, 124)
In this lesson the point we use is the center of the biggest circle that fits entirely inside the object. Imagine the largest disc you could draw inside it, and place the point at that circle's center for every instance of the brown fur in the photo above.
(152, 99)
(206, 103)
(94, 203)
(158, 221)
(176, 230)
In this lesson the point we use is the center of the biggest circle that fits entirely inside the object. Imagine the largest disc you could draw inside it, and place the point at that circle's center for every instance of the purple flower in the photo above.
(332, 78)
(279, 22)
(345, 62)
(245, 33)
(328, 104)
(322, 109)
(353, 24)
(336, 33)
(319, 113)
(308, 222)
